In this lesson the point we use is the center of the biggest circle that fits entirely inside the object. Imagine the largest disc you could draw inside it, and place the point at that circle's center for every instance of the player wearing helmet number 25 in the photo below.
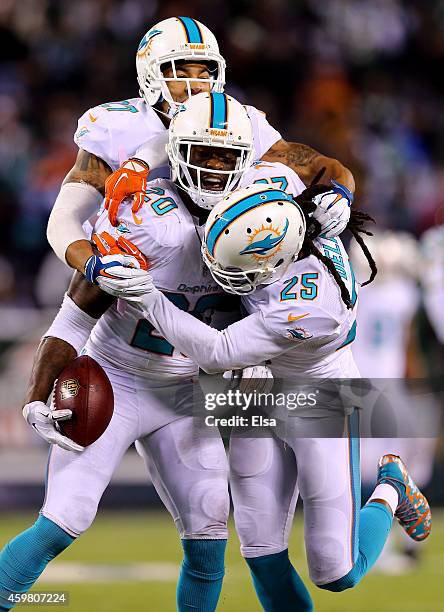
(300, 295)
(177, 58)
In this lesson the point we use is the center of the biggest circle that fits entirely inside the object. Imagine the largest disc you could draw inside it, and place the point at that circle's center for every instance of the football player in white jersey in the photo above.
(176, 58)
(300, 296)
(153, 383)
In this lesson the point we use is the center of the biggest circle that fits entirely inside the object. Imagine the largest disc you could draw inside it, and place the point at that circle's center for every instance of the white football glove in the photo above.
(130, 283)
(109, 266)
(254, 378)
(44, 420)
(333, 214)
(333, 206)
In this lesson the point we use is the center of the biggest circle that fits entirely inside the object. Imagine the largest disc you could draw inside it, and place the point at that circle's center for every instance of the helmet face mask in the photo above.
(207, 186)
(210, 147)
(251, 238)
(237, 281)
(168, 45)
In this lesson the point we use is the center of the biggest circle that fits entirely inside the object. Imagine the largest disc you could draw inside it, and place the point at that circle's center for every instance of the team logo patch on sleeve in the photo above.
(82, 132)
(298, 333)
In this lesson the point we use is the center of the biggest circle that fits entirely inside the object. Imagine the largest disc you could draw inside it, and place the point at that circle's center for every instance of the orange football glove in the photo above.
(108, 245)
(129, 180)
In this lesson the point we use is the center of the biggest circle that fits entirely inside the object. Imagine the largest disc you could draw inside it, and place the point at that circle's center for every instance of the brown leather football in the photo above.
(84, 388)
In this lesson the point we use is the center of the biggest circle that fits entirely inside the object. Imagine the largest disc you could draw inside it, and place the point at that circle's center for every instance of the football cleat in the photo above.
(413, 511)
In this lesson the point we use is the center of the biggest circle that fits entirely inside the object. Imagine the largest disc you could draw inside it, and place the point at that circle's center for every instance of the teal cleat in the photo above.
(413, 511)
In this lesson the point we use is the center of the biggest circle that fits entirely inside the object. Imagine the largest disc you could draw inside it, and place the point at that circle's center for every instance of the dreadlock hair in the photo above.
(356, 224)
(356, 227)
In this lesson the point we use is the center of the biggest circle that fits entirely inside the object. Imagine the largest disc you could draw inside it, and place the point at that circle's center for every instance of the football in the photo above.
(84, 388)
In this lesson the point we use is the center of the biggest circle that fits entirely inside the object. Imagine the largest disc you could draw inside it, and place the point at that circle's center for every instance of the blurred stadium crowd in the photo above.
(358, 81)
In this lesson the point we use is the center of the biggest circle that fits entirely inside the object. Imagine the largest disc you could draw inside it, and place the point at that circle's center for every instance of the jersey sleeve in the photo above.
(265, 136)
(244, 343)
(115, 130)
(93, 135)
(276, 174)
(302, 323)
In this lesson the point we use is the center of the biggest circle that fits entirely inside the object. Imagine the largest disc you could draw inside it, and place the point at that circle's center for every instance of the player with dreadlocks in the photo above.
(300, 294)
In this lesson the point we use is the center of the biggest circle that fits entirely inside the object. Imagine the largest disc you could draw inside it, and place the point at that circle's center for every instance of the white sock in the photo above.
(388, 493)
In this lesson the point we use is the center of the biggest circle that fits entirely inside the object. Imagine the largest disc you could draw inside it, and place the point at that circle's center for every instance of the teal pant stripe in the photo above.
(355, 475)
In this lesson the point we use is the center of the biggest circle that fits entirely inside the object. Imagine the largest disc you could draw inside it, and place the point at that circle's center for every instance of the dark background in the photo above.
(361, 81)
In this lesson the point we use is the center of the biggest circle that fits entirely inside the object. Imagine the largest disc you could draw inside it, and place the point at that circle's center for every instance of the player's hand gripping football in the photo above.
(44, 420)
(121, 268)
(331, 206)
(128, 180)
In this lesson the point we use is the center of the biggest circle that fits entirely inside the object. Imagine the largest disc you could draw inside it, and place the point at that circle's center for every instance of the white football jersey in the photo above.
(300, 323)
(169, 237)
(115, 130)
(305, 307)
(386, 309)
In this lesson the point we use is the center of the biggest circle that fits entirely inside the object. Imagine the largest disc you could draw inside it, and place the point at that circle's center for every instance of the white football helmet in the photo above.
(212, 120)
(251, 238)
(170, 41)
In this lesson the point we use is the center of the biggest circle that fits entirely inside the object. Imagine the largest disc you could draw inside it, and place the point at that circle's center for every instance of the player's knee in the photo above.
(349, 581)
(75, 517)
(205, 516)
(204, 558)
(325, 561)
(43, 541)
(250, 457)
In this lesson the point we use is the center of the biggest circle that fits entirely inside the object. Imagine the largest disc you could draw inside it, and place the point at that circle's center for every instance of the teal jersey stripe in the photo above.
(355, 484)
(218, 113)
(192, 30)
(238, 209)
(354, 295)
(350, 336)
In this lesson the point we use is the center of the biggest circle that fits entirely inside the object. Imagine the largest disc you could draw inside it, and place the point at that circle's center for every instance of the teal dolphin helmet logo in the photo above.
(264, 245)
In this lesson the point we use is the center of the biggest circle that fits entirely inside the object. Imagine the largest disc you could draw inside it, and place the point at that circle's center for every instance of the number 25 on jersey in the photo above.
(304, 287)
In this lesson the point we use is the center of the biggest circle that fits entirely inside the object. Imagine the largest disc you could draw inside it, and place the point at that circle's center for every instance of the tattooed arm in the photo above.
(83, 307)
(307, 162)
(89, 169)
(79, 198)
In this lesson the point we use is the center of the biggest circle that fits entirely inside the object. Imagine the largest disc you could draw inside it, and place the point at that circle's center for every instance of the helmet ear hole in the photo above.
(279, 263)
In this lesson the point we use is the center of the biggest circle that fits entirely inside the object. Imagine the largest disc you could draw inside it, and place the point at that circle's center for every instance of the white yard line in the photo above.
(135, 572)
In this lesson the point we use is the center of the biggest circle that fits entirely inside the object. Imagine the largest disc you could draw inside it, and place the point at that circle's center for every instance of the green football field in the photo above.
(129, 561)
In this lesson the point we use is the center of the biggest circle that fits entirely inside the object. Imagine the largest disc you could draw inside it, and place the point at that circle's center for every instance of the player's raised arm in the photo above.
(307, 163)
(67, 335)
(79, 198)
(332, 197)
